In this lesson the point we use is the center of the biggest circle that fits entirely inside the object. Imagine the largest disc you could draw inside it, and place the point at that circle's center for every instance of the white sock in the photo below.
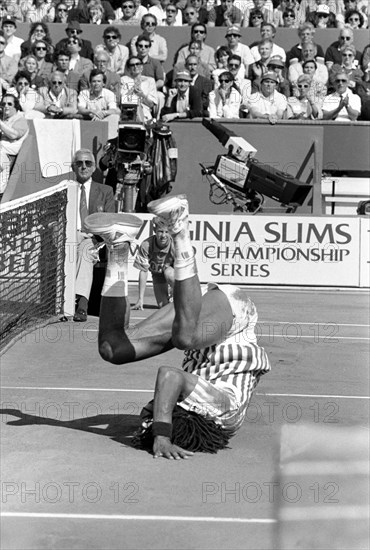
(115, 282)
(185, 266)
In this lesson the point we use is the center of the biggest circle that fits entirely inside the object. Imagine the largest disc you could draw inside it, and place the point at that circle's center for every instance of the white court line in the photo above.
(138, 390)
(324, 513)
(206, 519)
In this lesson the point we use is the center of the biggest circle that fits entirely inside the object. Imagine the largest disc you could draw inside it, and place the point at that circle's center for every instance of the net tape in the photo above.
(33, 236)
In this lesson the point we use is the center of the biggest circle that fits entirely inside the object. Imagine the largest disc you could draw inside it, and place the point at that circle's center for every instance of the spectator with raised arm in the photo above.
(28, 97)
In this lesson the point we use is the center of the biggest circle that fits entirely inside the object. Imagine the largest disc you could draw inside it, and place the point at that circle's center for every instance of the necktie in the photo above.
(83, 206)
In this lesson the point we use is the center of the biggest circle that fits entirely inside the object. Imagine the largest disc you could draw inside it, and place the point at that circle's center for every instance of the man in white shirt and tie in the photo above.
(92, 197)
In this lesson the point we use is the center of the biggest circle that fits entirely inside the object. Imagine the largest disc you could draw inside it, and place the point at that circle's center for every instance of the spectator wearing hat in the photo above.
(73, 29)
(183, 101)
(158, 44)
(8, 65)
(276, 64)
(118, 53)
(57, 100)
(207, 53)
(333, 55)
(268, 31)
(342, 105)
(112, 80)
(309, 7)
(233, 37)
(13, 43)
(303, 105)
(139, 90)
(226, 100)
(306, 33)
(268, 104)
(225, 15)
(309, 52)
(322, 17)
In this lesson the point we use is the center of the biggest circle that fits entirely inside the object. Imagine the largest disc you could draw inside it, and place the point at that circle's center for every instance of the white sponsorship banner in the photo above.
(273, 250)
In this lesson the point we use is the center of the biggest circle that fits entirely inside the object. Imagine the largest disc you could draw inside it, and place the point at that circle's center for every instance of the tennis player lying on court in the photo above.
(198, 407)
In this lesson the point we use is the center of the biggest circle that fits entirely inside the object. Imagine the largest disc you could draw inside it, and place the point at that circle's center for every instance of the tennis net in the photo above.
(32, 258)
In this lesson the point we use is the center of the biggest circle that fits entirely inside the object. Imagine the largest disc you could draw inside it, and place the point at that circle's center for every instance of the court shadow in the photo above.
(119, 427)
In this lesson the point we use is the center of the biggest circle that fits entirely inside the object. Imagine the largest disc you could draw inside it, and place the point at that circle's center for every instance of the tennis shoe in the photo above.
(114, 229)
(174, 211)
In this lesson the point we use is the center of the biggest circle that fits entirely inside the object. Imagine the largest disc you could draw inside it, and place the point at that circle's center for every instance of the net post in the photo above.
(70, 261)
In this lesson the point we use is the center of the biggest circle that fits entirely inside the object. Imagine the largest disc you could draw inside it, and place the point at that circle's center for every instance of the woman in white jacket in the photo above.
(226, 100)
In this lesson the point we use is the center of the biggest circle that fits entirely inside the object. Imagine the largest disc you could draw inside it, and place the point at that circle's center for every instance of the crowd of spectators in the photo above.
(74, 78)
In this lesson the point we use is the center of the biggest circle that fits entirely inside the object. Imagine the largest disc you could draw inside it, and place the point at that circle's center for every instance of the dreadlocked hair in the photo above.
(190, 431)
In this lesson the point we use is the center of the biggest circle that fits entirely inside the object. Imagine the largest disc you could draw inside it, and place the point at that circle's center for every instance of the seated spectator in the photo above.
(11, 9)
(129, 15)
(38, 31)
(268, 31)
(363, 90)
(77, 63)
(112, 79)
(355, 20)
(13, 132)
(184, 101)
(207, 53)
(225, 101)
(40, 51)
(361, 6)
(73, 29)
(97, 15)
(259, 68)
(158, 48)
(262, 8)
(275, 64)
(268, 103)
(318, 89)
(159, 10)
(156, 254)
(322, 17)
(284, 7)
(195, 49)
(80, 13)
(236, 68)
(308, 7)
(118, 53)
(233, 36)
(190, 16)
(151, 67)
(333, 54)
(309, 52)
(222, 55)
(349, 66)
(201, 10)
(28, 98)
(254, 18)
(39, 11)
(365, 59)
(8, 65)
(224, 15)
(98, 103)
(13, 43)
(303, 105)
(62, 61)
(61, 13)
(139, 90)
(171, 14)
(29, 66)
(342, 105)
(92, 197)
(289, 20)
(306, 33)
(58, 101)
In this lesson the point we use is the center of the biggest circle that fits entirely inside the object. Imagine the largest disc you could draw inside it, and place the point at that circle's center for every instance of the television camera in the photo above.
(237, 177)
(132, 157)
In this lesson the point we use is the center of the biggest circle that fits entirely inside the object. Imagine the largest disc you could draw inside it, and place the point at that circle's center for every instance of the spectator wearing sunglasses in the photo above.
(253, 19)
(27, 96)
(183, 101)
(40, 52)
(129, 14)
(322, 17)
(303, 105)
(190, 16)
(276, 64)
(38, 31)
(158, 44)
(58, 101)
(225, 15)
(348, 65)
(268, 31)
(226, 100)
(333, 54)
(139, 90)
(354, 19)
(118, 53)
(262, 11)
(207, 53)
(73, 29)
(202, 12)
(77, 63)
(171, 13)
(159, 10)
(287, 6)
(342, 105)
(61, 13)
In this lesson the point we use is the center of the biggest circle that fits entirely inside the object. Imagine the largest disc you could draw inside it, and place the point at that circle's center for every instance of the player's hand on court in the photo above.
(138, 305)
(164, 448)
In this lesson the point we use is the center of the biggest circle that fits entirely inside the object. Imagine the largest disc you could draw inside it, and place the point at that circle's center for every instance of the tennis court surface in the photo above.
(296, 475)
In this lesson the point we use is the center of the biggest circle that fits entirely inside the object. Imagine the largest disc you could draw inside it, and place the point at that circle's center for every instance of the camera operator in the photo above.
(139, 90)
(14, 130)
